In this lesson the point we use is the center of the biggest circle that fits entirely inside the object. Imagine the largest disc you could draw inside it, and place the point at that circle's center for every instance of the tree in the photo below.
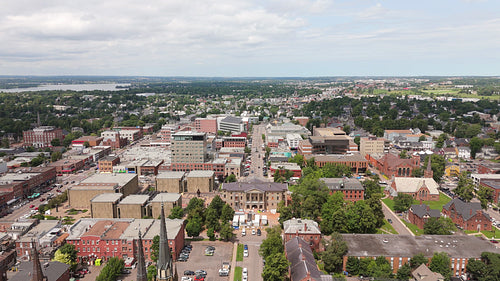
(440, 263)
(417, 173)
(231, 178)
(402, 202)
(55, 142)
(357, 140)
(217, 204)
(487, 269)
(195, 203)
(437, 165)
(67, 254)
(299, 159)
(334, 253)
(155, 248)
(417, 260)
(211, 234)
(371, 187)
(404, 154)
(111, 270)
(194, 226)
(439, 226)
(273, 243)
(227, 213)
(212, 219)
(422, 138)
(465, 187)
(176, 213)
(152, 272)
(276, 267)
(57, 155)
(352, 265)
(475, 146)
(404, 272)
(226, 232)
(485, 195)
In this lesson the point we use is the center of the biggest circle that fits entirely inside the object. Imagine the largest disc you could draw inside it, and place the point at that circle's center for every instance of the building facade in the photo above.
(373, 145)
(308, 230)
(206, 125)
(468, 215)
(352, 189)
(253, 195)
(189, 147)
(42, 136)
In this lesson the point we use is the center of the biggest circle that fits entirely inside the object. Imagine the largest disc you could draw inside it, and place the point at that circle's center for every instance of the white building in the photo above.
(293, 140)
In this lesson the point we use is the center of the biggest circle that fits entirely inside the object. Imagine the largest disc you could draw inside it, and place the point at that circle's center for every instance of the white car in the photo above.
(245, 253)
(245, 272)
(185, 278)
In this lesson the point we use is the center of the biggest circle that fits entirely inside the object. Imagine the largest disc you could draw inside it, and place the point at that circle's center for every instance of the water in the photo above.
(69, 87)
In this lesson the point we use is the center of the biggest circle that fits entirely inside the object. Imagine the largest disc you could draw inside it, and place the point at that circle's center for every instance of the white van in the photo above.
(243, 232)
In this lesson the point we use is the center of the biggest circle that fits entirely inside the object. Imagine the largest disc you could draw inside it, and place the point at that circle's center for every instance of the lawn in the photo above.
(386, 228)
(237, 273)
(417, 231)
(492, 234)
(239, 253)
(443, 199)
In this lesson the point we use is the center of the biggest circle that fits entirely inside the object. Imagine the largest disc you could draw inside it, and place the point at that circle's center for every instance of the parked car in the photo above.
(182, 259)
(245, 247)
(188, 272)
(125, 271)
(32, 206)
(259, 232)
(245, 253)
(185, 278)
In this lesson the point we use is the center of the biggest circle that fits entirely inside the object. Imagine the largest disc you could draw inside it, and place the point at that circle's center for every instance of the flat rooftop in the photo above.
(166, 197)
(374, 245)
(120, 179)
(80, 227)
(337, 157)
(107, 198)
(95, 186)
(173, 228)
(40, 230)
(135, 199)
(132, 231)
(170, 175)
(200, 174)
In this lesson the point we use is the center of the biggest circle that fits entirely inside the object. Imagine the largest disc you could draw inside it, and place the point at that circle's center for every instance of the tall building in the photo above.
(373, 145)
(42, 136)
(189, 147)
(164, 265)
(232, 124)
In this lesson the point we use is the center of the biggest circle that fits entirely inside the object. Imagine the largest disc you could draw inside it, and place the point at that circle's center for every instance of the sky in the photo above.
(250, 38)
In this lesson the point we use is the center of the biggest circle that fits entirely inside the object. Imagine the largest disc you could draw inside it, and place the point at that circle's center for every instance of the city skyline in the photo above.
(277, 38)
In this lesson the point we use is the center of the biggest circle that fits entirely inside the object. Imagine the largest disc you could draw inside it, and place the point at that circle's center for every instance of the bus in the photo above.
(34, 195)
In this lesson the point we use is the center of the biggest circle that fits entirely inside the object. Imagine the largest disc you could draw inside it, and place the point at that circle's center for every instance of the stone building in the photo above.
(105, 205)
(202, 181)
(253, 195)
(133, 206)
(172, 182)
(169, 201)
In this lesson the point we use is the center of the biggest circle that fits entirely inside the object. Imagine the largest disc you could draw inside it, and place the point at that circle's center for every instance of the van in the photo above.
(243, 232)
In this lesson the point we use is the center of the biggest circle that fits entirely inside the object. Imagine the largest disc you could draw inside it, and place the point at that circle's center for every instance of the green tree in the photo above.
(404, 272)
(357, 140)
(194, 226)
(226, 232)
(334, 253)
(55, 142)
(217, 204)
(402, 202)
(465, 187)
(111, 270)
(417, 173)
(212, 219)
(439, 226)
(352, 265)
(299, 159)
(276, 267)
(231, 178)
(485, 195)
(475, 146)
(176, 213)
(151, 272)
(417, 260)
(195, 203)
(67, 254)
(211, 233)
(404, 154)
(440, 263)
(227, 213)
(437, 165)
(487, 269)
(155, 248)
(371, 187)
(57, 155)
(273, 244)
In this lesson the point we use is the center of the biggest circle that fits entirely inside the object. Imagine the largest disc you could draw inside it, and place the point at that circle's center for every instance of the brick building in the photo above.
(469, 216)
(234, 142)
(355, 161)
(282, 166)
(308, 230)
(42, 136)
(206, 125)
(420, 214)
(392, 165)
(253, 195)
(113, 139)
(352, 189)
(494, 185)
(106, 164)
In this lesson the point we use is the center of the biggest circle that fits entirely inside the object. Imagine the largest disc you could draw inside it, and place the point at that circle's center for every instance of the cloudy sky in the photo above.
(250, 37)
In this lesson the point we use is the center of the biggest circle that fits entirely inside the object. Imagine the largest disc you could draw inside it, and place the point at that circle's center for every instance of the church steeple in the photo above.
(428, 173)
(142, 273)
(164, 264)
(37, 274)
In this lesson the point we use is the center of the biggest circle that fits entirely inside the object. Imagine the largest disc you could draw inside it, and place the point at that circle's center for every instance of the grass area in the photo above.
(442, 91)
(494, 234)
(443, 199)
(239, 253)
(417, 231)
(386, 228)
(237, 273)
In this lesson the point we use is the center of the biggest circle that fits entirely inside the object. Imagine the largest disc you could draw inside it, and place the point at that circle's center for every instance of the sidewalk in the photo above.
(233, 261)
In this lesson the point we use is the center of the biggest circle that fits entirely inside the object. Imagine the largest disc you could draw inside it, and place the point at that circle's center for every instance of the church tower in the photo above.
(428, 172)
(164, 265)
(37, 274)
(142, 273)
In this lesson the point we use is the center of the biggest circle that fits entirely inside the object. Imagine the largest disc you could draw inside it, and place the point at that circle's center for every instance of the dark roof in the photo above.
(466, 210)
(232, 119)
(53, 270)
(264, 186)
(301, 258)
(422, 210)
(495, 184)
(342, 184)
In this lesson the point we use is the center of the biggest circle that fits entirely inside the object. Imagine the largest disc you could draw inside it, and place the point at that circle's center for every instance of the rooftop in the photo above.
(53, 270)
(200, 174)
(135, 199)
(120, 179)
(337, 157)
(132, 231)
(301, 226)
(166, 197)
(263, 186)
(80, 227)
(411, 185)
(173, 228)
(116, 230)
(40, 230)
(374, 245)
(170, 175)
(343, 183)
(107, 197)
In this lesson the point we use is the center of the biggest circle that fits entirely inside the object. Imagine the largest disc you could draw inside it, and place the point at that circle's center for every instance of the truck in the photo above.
(242, 220)
(236, 220)
(224, 271)
(256, 221)
(264, 220)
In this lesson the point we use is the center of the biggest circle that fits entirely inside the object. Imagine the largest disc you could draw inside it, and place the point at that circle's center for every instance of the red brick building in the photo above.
(308, 230)
(352, 189)
(67, 166)
(42, 136)
(469, 216)
(488, 167)
(234, 142)
(420, 214)
(22, 181)
(282, 167)
(355, 161)
(206, 125)
(106, 164)
(392, 165)
(494, 185)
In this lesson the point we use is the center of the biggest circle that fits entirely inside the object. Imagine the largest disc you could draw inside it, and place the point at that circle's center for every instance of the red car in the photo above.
(32, 206)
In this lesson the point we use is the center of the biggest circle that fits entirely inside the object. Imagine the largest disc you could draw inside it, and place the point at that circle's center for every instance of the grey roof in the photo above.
(120, 179)
(388, 245)
(132, 231)
(301, 258)
(53, 270)
(342, 183)
(166, 197)
(263, 186)
(423, 273)
(464, 209)
(170, 175)
(495, 184)
(40, 230)
(173, 228)
(232, 119)
(337, 157)
(108, 158)
(135, 199)
(200, 174)
(107, 197)
(299, 226)
(423, 210)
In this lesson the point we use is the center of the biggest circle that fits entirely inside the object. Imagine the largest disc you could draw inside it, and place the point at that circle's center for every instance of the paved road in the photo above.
(398, 225)
(257, 154)
(253, 262)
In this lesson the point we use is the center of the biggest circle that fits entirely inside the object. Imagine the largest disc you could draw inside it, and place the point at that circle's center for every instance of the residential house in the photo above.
(467, 215)
(420, 214)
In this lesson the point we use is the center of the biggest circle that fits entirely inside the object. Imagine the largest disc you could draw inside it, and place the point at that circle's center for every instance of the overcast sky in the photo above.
(249, 38)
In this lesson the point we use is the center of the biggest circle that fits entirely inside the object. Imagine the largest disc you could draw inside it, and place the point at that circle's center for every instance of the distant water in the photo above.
(69, 87)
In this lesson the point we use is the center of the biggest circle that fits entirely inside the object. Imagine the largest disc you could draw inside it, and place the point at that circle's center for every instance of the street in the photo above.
(398, 225)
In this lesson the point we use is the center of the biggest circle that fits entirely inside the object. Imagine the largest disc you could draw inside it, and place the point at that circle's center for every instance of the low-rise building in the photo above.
(105, 205)
(355, 161)
(107, 163)
(420, 214)
(302, 263)
(35, 235)
(282, 166)
(253, 195)
(352, 189)
(467, 215)
(200, 181)
(169, 201)
(424, 189)
(171, 181)
(308, 230)
(53, 270)
(494, 185)
(133, 206)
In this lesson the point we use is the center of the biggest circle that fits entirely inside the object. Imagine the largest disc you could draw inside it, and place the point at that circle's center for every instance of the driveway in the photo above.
(398, 225)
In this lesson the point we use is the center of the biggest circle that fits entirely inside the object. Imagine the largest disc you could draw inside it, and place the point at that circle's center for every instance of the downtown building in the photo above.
(42, 136)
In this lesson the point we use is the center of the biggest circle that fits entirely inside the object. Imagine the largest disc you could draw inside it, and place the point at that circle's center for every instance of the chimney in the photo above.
(305, 227)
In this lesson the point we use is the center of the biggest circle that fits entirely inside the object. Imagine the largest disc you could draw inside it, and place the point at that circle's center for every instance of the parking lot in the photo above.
(211, 264)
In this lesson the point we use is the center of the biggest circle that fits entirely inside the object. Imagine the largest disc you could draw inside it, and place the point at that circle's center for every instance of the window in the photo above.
(92, 242)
